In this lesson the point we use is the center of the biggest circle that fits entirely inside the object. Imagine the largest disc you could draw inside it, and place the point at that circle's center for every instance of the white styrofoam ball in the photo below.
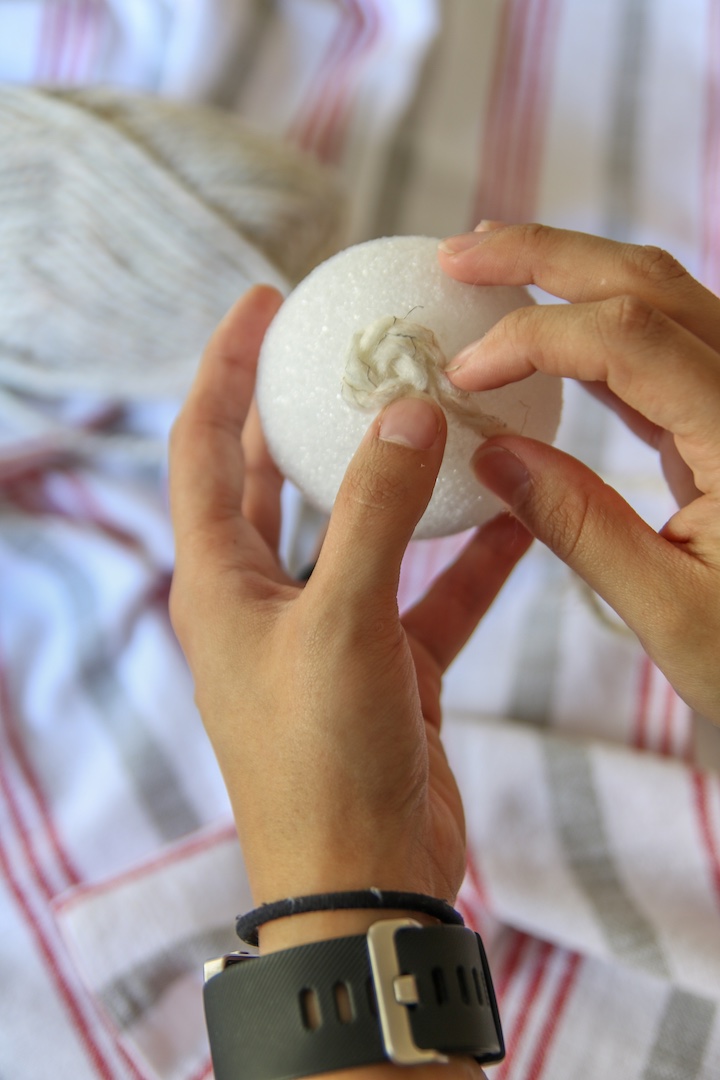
(312, 429)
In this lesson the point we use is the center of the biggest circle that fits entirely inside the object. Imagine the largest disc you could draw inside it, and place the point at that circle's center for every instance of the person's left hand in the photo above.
(322, 705)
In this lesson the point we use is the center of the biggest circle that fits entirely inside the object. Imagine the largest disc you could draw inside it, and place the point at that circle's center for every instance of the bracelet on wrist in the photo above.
(403, 992)
(247, 926)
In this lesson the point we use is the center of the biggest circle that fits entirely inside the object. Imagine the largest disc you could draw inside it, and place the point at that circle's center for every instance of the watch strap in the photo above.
(258, 1022)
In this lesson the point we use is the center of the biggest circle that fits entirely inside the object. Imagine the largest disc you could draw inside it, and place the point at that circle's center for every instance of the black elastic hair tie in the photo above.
(246, 926)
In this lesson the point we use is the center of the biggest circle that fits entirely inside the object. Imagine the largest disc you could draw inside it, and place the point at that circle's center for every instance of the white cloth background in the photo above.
(594, 867)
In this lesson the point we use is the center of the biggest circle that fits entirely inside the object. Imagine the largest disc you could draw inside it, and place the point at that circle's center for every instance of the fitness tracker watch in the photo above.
(405, 993)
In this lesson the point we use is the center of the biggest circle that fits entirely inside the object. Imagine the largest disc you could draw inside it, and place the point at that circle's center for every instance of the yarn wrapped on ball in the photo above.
(375, 322)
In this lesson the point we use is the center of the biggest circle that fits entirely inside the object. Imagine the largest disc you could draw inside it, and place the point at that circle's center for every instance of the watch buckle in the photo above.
(218, 965)
(395, 993)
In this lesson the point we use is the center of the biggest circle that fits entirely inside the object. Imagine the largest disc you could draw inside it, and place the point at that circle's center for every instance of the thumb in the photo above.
(383, 495)
(590, 527)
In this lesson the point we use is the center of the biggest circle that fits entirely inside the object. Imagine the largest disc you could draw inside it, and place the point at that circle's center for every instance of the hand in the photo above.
(646, 336)
(322, 705)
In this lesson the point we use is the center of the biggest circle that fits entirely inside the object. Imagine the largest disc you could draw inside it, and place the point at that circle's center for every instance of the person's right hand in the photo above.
(646, 335)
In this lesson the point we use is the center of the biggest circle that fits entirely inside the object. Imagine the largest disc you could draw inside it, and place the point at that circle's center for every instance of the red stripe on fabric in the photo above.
(702, 784)
(23, 833)
(463, 906)
(32, 493)
(323, 127)
(28, 492)
(517, 111)
(28, 458)
(45, 946)
(81, 14)
(711, 186)
(204, 1071)
(539, 80)
(362, 26)
(69, 874)
(59, 42)
(643, 697)
(510, 964)
(301, 130)
(680, 733)
(473, 902)
(91, 510)
(47, 943)
(486, 922)
(326, 140)
(500, 101)
(515, 1035)
(476, 880)
(687, 742)
(666, 739)
(527, 63)
(554, 1017)
(214, 835)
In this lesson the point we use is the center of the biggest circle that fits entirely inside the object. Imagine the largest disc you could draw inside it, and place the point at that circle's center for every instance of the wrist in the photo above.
(312, 926)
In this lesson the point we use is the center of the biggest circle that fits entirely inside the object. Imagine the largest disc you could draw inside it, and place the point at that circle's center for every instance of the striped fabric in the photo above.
(592, 800)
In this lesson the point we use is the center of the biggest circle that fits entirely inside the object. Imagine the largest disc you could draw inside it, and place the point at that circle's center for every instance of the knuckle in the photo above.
(629, 316)
(373, 488)
(651, 263)
(565, 525)
(536, 234)
(514, 330)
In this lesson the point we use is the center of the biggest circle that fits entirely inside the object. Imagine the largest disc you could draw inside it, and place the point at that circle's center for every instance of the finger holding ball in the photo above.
(376, 322)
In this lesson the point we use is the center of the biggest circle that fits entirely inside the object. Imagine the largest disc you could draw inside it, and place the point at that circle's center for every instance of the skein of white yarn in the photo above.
(128, 226)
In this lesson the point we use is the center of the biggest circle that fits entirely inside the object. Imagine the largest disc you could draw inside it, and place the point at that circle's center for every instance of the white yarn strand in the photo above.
(393, 357)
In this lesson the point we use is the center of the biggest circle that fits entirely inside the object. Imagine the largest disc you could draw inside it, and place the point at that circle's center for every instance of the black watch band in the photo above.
(416, 994)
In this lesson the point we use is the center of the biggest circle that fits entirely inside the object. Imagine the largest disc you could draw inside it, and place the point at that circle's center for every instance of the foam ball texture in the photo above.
(312, 429)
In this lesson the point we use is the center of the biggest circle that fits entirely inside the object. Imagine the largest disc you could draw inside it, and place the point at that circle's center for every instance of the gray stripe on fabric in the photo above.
(156, 785)
(400, 164)
(239, 67)
(620, 210)
(682, 1038)
(129, 996)
(577, 815)
(539, 648)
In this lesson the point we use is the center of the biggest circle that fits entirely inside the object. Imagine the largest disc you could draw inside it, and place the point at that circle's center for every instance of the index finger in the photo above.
(580, 268)
(655, 366)
(206, 460)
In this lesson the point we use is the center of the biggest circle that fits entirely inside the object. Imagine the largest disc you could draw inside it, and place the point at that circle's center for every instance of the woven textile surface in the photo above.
(592, 794)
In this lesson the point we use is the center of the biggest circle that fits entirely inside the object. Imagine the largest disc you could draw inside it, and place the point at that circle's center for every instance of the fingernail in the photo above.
(461, 359)
(410, 422)
(453, 245)
(503, 473)
(487, 225)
